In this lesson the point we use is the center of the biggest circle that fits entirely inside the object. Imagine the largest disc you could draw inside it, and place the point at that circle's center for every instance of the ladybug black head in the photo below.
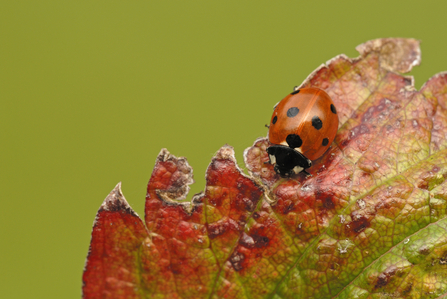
(287, 161)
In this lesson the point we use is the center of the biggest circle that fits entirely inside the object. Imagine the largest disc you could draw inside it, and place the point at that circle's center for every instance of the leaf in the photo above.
(369, 223)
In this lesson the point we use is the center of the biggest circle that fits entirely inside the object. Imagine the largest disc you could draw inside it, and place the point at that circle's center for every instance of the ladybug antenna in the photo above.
(267, 126)
(295, 90)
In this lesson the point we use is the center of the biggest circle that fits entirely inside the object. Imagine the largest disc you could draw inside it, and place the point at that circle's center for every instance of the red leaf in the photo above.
(370, 221)
(118, 234)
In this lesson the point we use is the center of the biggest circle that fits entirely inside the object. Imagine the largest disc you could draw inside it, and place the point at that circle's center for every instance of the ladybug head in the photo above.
(287, 161)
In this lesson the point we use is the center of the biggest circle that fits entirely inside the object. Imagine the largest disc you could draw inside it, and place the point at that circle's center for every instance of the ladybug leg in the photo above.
(272, 160)
(304, 171)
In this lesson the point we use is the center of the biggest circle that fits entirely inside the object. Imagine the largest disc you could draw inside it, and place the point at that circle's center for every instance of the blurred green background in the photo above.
(92, 90)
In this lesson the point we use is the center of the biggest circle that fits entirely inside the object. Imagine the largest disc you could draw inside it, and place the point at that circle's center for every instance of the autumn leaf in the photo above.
(369, 223)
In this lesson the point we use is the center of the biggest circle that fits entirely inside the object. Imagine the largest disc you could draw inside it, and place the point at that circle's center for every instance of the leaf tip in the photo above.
(115, 202)
(180, 175)
(164, 155)
(396, 54)
(226, 152)
(170, 181)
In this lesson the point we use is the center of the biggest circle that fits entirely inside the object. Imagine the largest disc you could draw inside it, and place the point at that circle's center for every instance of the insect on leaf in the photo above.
(370, 222)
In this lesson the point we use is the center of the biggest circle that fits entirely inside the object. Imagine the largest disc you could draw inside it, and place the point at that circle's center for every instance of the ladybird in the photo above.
(302, 128)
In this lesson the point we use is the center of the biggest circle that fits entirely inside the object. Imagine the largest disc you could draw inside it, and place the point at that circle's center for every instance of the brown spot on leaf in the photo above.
(221, 227)
(326, 198)
(359, 130)
(424, 250)
(407, 289)
(443, 259)
(358, 224)
(389, 128)
(408, 81)
(257, 236)
(425, 180)
(382, 110)
(243, 203)
(328, 203)
(260, 241)
(385, 277)
(253, 240)
(344, 143)
(246, 241)
(289, 207)
(368, 114)
(176, 268)
(236, 260)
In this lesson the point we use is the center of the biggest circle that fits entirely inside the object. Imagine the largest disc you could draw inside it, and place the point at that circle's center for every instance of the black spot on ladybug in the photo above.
(274, 120)
(294, 140)
(292, 112)
(316, 122)
(333, 109)
(325, 142)
(295, 91)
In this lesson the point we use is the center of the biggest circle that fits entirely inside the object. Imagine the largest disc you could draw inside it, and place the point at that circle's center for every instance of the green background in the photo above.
(92, 90)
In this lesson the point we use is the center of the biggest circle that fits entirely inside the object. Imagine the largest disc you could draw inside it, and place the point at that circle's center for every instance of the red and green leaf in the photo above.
(370, 222)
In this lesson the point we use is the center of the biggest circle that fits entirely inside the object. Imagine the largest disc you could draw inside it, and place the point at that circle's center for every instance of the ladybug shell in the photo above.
(305, 120)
